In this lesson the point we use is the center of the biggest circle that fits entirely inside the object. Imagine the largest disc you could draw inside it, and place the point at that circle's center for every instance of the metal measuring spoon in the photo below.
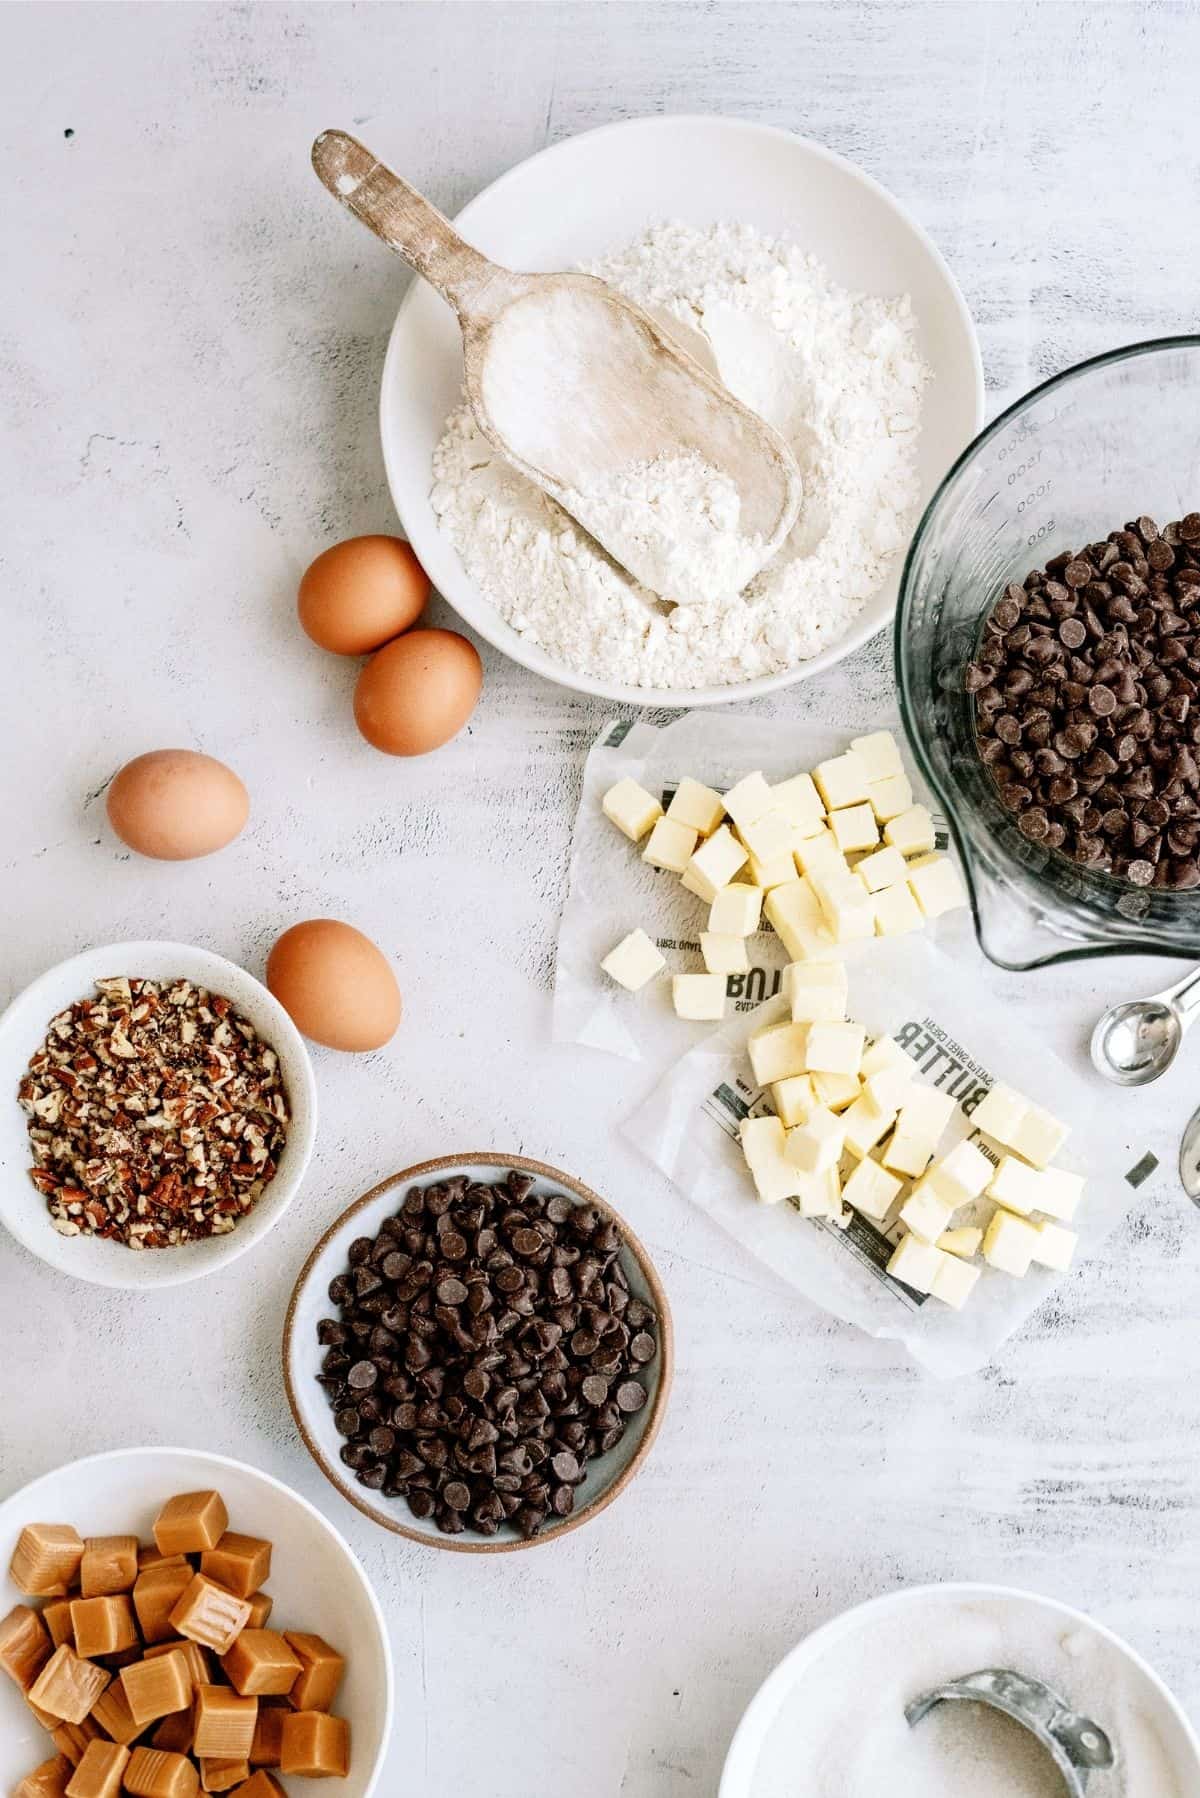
(1076, 1745)
(1135, 1042)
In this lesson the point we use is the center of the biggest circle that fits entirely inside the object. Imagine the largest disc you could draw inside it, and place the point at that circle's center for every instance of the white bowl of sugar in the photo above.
(508, 561)
(829, 1721)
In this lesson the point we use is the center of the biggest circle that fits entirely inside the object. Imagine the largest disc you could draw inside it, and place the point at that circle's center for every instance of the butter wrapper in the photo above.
(944, 1016)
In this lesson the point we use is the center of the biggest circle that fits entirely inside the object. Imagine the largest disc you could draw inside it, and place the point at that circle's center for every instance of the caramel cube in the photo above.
(224, 1723)
(260, 1785)
(261, 1662)
(239, 1563)
(46, 1559)
(67, 1686)
(109, 1564)
(103, 1625)
(25, 1645)
(222, 1776)
(47, 1781)
(156, 1593)
(98, 1774)
(190, 1523)
(152, 1773)
(174, 1733)
(57, 1617)
(261, 1605)
(198, 1664)
(210, 1614)
(315, 1745)
(42, 1717)
(111, 1711)
(268, 1735)
(321, 1669)
(157, 1687)
(72, 1738)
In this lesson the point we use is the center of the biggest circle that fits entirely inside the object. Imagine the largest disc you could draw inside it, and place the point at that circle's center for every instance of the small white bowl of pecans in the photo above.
(157, 1113)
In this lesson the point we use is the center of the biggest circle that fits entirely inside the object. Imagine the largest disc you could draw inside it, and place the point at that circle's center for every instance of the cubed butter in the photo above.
(768, 836)
(866, 1125)
(927, 1111)
(631, 809)
(799, 802)
(714, 864)
(890, 798)
(820, 1195)
(670, 846)
(954, 1281)
(916, 1263)
(1009, 1244)
(750, 800)
(925, 1213)
(778, 1051)
(896, 912)
(724, 954)
(819, 854)
(736, 911)
(818, 991)
(885, 1052)
(793, 1099)
(909, 1152)
(882, 869)
(696, 806)
(1055, 1246)
(817, 1143)
(999, 1114)
(1039, 1136)
(879, 754)
(846, 907)
(775, 1181)
(762, 1140)
(799, 923)
(776, 872)
(698, 997)
(912, 832)
(871, 1189)
(963, 1241)
(634, 961)
(837, 1091)
(964, 1172)
(1016, 1186)
(1059, 1193)
(835, 1048)
(936, 885)
(842, 780)
(888, 1087)
(854, 829)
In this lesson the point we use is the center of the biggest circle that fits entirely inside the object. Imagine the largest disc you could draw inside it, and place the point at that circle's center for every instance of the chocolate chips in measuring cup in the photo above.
(488, 1346)
(1086, 714)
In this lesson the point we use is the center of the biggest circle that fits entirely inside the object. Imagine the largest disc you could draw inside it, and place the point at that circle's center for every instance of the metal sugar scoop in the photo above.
(575, 385)
(1077, 1745)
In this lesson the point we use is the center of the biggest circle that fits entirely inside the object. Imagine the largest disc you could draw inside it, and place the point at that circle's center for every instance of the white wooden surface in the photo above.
(190, 340)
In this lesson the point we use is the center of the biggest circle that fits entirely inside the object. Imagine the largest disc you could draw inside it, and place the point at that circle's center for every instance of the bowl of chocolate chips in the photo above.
(478, 1353)
(1048, 661)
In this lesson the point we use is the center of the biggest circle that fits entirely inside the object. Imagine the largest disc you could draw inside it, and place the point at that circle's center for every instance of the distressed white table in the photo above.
(190, 343)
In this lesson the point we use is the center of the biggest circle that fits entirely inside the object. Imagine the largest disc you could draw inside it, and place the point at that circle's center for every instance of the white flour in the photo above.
(683, 516)
(837, 373)
(842, 1732)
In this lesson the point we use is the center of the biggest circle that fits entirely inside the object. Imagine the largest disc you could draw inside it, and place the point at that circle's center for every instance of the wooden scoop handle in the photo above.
(407, 223)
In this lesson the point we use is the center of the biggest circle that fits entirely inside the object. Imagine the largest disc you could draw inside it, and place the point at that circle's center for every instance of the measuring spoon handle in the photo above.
(407, 223)
(1185, 996)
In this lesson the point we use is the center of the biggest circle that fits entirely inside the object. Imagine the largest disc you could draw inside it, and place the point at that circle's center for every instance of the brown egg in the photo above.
(174, 804)
(360, 593)
(418, 692)
(335, 985)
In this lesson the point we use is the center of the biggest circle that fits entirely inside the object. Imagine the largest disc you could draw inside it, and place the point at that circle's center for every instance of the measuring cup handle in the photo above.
(409, 224)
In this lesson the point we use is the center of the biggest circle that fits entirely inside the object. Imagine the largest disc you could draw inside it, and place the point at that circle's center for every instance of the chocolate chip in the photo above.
(631, 1395)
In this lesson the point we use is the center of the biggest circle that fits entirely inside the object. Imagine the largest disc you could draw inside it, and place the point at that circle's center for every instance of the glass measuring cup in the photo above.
(1112, 439)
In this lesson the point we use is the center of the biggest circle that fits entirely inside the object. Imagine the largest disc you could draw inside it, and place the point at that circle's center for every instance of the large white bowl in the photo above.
(585, 196)
(738, 1779)
(315, 1580)
(23, 1029)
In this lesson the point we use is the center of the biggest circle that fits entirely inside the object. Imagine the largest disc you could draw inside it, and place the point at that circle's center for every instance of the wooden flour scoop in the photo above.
(578, 387)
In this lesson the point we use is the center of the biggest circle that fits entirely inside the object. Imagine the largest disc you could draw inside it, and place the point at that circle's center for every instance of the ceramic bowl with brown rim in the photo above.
(606, 1476)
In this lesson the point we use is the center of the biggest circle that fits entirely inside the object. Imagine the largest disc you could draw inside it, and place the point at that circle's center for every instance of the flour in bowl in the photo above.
(837, 373)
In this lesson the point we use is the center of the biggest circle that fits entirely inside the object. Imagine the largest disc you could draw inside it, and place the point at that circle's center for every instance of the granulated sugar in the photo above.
(837, 373)
(842, 1732)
